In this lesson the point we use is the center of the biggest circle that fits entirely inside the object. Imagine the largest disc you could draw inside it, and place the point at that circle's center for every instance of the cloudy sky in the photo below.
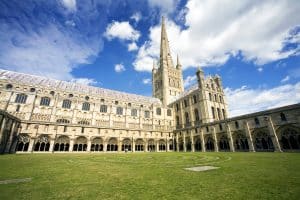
(253, 45)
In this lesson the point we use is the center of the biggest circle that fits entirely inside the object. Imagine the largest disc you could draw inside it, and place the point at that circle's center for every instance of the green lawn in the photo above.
(151, 176)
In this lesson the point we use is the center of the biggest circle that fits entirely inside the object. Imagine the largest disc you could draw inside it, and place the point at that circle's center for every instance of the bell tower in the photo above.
(167, 82)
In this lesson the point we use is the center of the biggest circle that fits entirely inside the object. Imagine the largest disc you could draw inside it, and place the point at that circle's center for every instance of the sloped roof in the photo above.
(32, 80)
(185, 93)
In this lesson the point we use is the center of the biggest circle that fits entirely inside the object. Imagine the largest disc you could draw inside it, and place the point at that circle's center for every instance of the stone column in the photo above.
(133, 145)
(120, 145)
(202, 140)
(184, 143)
(214, 134)
(31, 143)
(104, 144)
(51, 145)
(273, 134)
(9, 142)
(177, 143)
(192, 141)
(192, 117)
(249, 137)
(157, 146)
(167, 145)
(71, 145)
(146, 145)
(2, 127)
(89, 144)
(229, 134)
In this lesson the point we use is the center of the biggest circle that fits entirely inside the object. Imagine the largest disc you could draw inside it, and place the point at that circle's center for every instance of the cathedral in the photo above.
(42, 115)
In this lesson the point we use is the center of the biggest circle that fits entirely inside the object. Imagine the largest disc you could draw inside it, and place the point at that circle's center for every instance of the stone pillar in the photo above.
(273, 134)
(157, 145)
(104, 144)
(192, 142)
(214, 134)
(249, 137)
(120, 145)
(71, 145)
(51, 145)
(184, 143)
(2, 127)
(146, 145)
(133, 145)
(202, 140)
(31, 143)
(177, 143)
(89, 144)
(229, 134)
(192, 117)
(167, 145)
(11, 134)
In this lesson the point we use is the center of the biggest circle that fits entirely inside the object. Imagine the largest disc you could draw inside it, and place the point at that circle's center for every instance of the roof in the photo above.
(185, 93)
(53, 84)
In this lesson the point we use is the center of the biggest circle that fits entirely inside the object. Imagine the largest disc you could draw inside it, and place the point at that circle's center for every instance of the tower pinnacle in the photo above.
(165, 55)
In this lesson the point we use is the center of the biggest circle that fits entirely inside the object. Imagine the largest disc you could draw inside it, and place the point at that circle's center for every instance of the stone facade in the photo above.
(44, 115)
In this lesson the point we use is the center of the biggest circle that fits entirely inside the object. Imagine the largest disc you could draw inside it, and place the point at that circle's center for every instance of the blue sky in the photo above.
(252, 45)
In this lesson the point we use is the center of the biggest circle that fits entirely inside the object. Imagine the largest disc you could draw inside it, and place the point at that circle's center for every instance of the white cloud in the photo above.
(136, 17)
(50, 52)
(70, 23)
(189, 80)
(166, 6)
(246, 100)
(260, 69)
(132, 46)
(217, 30)
(84, 81)
(122, 31)
(69, 4)
(285, 79)
(146, 81)
(119, 68)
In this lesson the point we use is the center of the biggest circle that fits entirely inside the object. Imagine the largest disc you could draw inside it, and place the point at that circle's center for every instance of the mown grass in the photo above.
(151, 176)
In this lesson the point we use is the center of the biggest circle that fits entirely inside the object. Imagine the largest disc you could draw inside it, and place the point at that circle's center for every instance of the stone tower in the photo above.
(212, 100)
(167, 81)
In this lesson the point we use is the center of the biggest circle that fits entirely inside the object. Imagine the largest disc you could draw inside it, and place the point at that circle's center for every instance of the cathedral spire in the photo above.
(178, 65)
(165, 55)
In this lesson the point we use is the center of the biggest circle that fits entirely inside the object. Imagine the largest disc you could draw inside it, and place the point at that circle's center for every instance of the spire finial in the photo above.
(178, 65)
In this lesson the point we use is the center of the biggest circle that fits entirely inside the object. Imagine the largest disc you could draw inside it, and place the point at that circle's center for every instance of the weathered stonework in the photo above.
(38, 114)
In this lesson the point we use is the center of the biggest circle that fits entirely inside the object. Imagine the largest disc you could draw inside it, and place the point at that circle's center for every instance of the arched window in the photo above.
(147, 114)
(45, 101)
(196, 114)
(119, 111)
(84, 122)
(216, 99)
(219, 113)
(185, 103)
(169, 112)
(18, 108)
(158, 111)
(63, 121)
(282, 117)
(177, 120)
(9, 86)
(221, 100)
(66, 103)
(177, 107)
(187, 119)
(103, 108)
(32, 89)
(86, 106)
(209, 94)
(195, 99)
(21, 98)
(134, 112)
(237, 124)
(256, 121)
(213, 112)
(224, 114)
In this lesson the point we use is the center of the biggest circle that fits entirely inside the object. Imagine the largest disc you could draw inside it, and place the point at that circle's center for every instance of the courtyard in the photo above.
(150, 176)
